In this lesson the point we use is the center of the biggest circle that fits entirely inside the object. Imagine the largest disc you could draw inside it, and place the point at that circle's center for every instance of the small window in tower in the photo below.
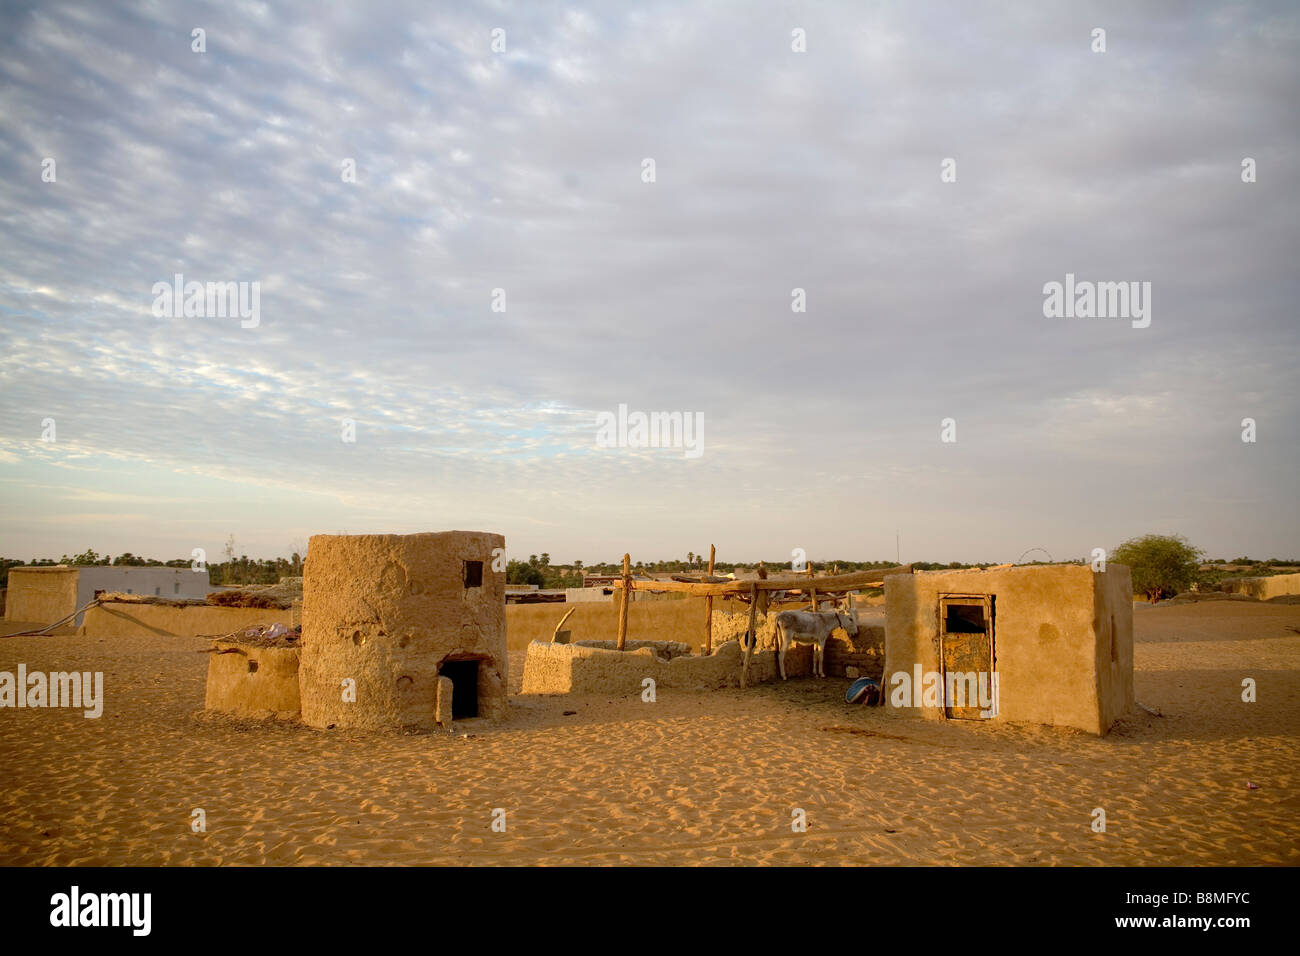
(473, 574)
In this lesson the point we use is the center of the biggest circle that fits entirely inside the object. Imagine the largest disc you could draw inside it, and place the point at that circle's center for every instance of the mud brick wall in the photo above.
(866, 652)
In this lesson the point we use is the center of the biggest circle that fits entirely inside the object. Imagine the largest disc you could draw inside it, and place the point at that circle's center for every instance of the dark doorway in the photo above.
(473, 574)
(464, 690)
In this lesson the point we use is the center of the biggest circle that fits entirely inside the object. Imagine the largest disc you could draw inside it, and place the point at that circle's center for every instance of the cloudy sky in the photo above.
(774, 169)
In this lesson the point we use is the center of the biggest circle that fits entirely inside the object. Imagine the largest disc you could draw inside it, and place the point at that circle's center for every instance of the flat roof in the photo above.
(94, 567)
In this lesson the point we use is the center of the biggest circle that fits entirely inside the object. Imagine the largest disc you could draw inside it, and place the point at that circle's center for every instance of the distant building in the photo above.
(47, 594)
(535, 595)
(584, 595)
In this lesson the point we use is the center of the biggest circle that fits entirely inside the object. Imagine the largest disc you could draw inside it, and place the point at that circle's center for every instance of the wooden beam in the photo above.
(854, 581)
(626, 587)
(556, 632)
(752, 634)
(708, 610)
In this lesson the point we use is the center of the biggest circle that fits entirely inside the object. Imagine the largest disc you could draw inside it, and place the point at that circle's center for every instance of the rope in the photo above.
(50, 627)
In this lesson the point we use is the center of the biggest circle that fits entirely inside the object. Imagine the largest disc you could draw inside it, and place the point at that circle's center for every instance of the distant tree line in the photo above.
(1162, 565)
(538, 570)
(246, 570)
(240, 570)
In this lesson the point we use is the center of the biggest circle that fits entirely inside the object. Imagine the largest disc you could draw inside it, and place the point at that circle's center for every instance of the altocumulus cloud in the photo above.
(520, 170)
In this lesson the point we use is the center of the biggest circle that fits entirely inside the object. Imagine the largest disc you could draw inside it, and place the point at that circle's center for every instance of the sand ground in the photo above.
(694, 778)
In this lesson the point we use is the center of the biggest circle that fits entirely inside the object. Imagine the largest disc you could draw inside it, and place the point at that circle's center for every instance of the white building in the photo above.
(48, 594)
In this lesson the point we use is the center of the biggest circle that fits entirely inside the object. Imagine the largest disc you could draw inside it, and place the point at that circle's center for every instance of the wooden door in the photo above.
(966, 649)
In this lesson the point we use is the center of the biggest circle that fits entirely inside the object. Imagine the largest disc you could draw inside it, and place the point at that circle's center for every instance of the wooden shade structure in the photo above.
(836, 584)
(755, 593)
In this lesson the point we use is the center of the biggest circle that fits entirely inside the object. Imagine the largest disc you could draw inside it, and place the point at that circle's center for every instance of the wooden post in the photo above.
(708, 610)
(752, 634)
(556, 632)
(627, 596)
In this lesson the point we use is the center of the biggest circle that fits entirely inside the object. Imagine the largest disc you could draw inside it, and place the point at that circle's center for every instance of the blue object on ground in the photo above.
(862, 691)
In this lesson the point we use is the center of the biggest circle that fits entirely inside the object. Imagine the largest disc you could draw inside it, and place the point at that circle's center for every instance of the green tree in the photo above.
(86, 557)
(517, 572)
(1162, 565)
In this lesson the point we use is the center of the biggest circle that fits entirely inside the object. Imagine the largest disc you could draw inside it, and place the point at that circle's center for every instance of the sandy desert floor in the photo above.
(695, 778)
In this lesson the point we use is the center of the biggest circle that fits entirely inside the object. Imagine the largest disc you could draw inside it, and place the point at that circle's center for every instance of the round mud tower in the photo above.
(385, 615)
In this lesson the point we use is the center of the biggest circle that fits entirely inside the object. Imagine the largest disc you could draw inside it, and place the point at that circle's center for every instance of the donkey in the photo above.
(811, 627)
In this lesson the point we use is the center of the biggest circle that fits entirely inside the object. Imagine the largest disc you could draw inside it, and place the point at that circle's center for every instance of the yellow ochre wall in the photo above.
(646, 621)
(42, 595)
(1262, 588)
(1053, 636)
(137, 620)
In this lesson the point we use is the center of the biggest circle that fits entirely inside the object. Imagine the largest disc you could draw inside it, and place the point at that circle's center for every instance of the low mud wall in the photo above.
(1265, 588)
(646, 620)
(141, 620)
(684, 622)
(580, 669)
(252, 681)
